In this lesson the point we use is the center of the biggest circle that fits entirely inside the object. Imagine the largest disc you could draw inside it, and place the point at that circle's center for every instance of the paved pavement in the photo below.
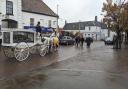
(99, 67)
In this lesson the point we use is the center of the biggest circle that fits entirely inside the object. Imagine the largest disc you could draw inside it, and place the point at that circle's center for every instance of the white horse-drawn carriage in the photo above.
(21, 43)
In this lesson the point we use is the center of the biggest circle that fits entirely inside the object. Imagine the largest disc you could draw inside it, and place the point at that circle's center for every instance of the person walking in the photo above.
(114, 41)
(88, 41)
(77, 40)
(81, 41)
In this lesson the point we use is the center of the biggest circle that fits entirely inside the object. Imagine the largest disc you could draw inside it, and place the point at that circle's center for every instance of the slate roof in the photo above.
(82, 25)
(37, 7)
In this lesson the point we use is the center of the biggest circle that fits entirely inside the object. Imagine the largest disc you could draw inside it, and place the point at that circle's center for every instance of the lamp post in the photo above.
(57, 17)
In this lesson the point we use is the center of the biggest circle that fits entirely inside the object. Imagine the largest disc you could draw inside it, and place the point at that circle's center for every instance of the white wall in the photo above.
(2, 9)
(37, 17)
(93, 31)
(2, 6)
(23, 18)
(112, 34)
(19, 13)
(16, 10)
(104, 33)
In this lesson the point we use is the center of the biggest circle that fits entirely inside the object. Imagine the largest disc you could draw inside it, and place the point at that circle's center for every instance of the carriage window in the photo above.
(23, 37)
(6, 37)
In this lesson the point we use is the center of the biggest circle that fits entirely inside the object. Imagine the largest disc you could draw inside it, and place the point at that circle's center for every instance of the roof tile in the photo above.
(38, 7)
(82, 25)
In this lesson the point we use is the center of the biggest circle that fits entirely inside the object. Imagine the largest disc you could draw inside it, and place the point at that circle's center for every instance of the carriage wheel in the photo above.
(43, 50)
(8, 52)
(21, 51)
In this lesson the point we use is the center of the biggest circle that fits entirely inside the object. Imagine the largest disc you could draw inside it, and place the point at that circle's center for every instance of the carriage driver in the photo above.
(38, 29)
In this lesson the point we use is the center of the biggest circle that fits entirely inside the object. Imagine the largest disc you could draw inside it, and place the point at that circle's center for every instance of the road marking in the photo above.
(79, 70)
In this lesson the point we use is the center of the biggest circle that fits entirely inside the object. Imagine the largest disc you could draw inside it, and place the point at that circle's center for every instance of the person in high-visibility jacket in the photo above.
(55, 41)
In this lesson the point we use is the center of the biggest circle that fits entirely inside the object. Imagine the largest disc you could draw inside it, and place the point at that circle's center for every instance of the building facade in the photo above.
(26, 13)
(94, 29)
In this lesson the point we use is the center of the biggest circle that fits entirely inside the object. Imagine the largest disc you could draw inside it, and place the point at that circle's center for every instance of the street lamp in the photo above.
(57, 17)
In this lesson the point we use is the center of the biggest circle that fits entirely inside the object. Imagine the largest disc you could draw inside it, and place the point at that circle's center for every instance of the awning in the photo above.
(44, 29)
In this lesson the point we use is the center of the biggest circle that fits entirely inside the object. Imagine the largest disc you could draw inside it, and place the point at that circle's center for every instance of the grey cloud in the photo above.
(75, 10)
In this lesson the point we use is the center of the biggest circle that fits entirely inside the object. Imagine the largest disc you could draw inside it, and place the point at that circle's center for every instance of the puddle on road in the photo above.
(23, 82)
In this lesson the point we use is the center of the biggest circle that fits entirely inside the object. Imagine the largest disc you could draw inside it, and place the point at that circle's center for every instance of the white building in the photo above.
(25, 14)
(94, 29)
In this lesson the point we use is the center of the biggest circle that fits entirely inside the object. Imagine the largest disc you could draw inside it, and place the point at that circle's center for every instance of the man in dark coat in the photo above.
(77, 40)
(38, 28)
(88, 41)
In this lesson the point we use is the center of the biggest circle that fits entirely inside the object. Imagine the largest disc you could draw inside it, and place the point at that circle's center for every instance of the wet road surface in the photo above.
(99, 67)
(12, 66)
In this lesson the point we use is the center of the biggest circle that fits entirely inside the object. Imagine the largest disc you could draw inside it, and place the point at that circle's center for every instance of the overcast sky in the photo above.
(76, 10)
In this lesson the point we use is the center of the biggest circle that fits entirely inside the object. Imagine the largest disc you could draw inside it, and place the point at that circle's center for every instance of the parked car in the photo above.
(108, 41)
(67, 40)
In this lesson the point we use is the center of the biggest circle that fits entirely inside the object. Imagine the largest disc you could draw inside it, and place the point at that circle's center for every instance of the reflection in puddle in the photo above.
(23, 82)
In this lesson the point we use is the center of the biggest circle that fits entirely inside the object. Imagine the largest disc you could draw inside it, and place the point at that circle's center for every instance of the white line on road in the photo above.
(79, 70)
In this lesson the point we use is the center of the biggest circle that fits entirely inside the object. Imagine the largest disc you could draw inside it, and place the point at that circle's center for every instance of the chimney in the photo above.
(65, 22)
(95, 18)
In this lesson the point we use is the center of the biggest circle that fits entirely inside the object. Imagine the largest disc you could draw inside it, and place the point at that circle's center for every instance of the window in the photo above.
(31, 21)
(42, 22)
(68, 37)
(23, 37)
(54, 22)
(9, 7)
(6, 37)
(64, 37)
(49, 23)
(89, 28)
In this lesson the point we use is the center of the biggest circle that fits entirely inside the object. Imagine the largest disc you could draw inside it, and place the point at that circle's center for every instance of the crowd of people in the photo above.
(79, 41)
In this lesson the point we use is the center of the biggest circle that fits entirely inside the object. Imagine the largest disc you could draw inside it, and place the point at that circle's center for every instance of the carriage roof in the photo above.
(18, 30)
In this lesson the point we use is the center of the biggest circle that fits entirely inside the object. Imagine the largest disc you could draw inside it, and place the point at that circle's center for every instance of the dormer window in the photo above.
(9, 7)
